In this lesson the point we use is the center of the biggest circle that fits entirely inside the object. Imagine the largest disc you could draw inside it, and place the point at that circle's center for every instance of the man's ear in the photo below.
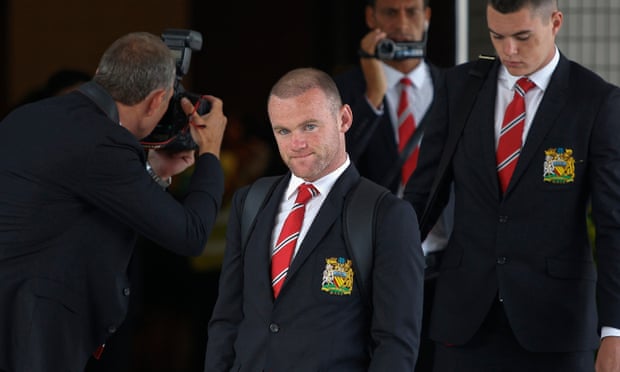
(346, 115)
(154, 100)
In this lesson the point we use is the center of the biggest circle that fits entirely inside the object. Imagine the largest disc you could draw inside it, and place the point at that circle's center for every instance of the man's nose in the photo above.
(298, 140)
(509, 46)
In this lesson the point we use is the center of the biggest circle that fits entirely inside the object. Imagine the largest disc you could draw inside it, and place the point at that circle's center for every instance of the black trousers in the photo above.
(494, 348)
(426, 352)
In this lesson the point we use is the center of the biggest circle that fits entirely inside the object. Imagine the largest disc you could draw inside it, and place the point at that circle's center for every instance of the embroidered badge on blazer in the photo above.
(559, 166)
(337, 276)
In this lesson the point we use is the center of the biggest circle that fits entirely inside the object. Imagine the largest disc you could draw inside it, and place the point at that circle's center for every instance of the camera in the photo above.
(172, 132)
(389, 49)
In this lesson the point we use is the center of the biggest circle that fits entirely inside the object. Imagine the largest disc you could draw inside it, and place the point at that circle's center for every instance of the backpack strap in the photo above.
(359, 217)
(254, 200)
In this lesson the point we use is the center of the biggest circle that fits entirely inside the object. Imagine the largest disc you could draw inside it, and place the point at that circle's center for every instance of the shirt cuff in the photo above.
(377, 111)
(610, 331)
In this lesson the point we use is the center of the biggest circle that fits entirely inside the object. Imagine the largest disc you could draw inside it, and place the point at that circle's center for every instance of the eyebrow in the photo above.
(520, 33)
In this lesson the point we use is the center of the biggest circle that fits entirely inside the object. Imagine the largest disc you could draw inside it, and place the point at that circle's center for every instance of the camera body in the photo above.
(172, 132)
(388, 49)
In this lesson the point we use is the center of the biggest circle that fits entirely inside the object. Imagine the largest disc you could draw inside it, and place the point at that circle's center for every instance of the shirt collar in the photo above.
(323, 184)
(541, 77)
(417, 75)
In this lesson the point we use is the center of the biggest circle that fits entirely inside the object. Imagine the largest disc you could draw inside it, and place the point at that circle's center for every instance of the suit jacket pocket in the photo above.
(47, 314)
(57, 292)
(571, 269)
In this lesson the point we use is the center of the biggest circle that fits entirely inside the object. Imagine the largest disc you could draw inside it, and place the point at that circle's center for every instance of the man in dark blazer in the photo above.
(307, 327)
(518, 288)
(75, 191)
(373, 89)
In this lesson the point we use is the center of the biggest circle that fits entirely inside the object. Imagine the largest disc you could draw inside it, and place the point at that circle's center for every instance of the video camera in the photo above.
(387, 49)
(172, 132)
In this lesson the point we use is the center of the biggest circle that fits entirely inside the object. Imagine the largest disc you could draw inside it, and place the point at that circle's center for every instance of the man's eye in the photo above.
(389, 13)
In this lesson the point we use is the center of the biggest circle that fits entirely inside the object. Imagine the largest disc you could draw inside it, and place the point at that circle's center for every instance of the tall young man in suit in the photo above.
(518, 288)
(304, 324)
(375, 141)
(75, 191)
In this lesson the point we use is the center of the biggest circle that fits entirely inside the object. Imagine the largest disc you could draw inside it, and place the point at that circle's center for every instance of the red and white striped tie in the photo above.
(287, 240)
(511, 133)
(406, 127)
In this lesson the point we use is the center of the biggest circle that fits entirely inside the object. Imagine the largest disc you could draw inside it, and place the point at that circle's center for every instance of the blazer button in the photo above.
(502, 260)
(503, 219)
(274, 328)
(112, 329)
(126, 291)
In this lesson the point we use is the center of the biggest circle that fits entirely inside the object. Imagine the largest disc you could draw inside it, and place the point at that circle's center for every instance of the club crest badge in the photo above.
(337, 276)
(559, 166)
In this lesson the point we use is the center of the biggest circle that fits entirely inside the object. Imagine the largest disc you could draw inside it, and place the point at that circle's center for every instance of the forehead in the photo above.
(310, 104)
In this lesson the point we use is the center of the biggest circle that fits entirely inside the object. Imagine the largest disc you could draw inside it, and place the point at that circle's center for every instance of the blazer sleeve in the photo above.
(115, 180)
(397, 287)
(228, 310)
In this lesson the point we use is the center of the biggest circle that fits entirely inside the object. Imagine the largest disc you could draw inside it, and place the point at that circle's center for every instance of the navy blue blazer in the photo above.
(307, 328)
(75, 192)
(371, 143)
(530, 246)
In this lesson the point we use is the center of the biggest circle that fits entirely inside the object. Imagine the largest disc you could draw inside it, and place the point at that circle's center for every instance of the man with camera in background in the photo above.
(75, 193)
(383, 140)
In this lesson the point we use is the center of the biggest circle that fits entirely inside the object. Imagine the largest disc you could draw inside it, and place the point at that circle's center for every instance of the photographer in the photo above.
(76, 193)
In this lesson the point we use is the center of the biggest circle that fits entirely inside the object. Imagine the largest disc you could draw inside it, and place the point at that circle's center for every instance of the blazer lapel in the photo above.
(481, 126)
(550, 107)
(260, 239)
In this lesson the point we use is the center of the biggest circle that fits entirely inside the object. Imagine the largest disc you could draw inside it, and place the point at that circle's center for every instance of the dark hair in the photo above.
(511, 6)
(373, 2)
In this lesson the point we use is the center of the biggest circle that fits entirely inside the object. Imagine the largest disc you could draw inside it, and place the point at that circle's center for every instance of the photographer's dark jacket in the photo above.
(74, 194)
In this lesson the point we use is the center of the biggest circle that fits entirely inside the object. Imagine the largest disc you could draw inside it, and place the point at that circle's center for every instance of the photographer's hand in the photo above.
(166, 164)
(376, 83)
(207, 130)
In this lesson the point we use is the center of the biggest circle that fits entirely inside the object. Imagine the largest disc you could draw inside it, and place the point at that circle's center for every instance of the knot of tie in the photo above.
(523, 85)
(406, 82)
(305, 191)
